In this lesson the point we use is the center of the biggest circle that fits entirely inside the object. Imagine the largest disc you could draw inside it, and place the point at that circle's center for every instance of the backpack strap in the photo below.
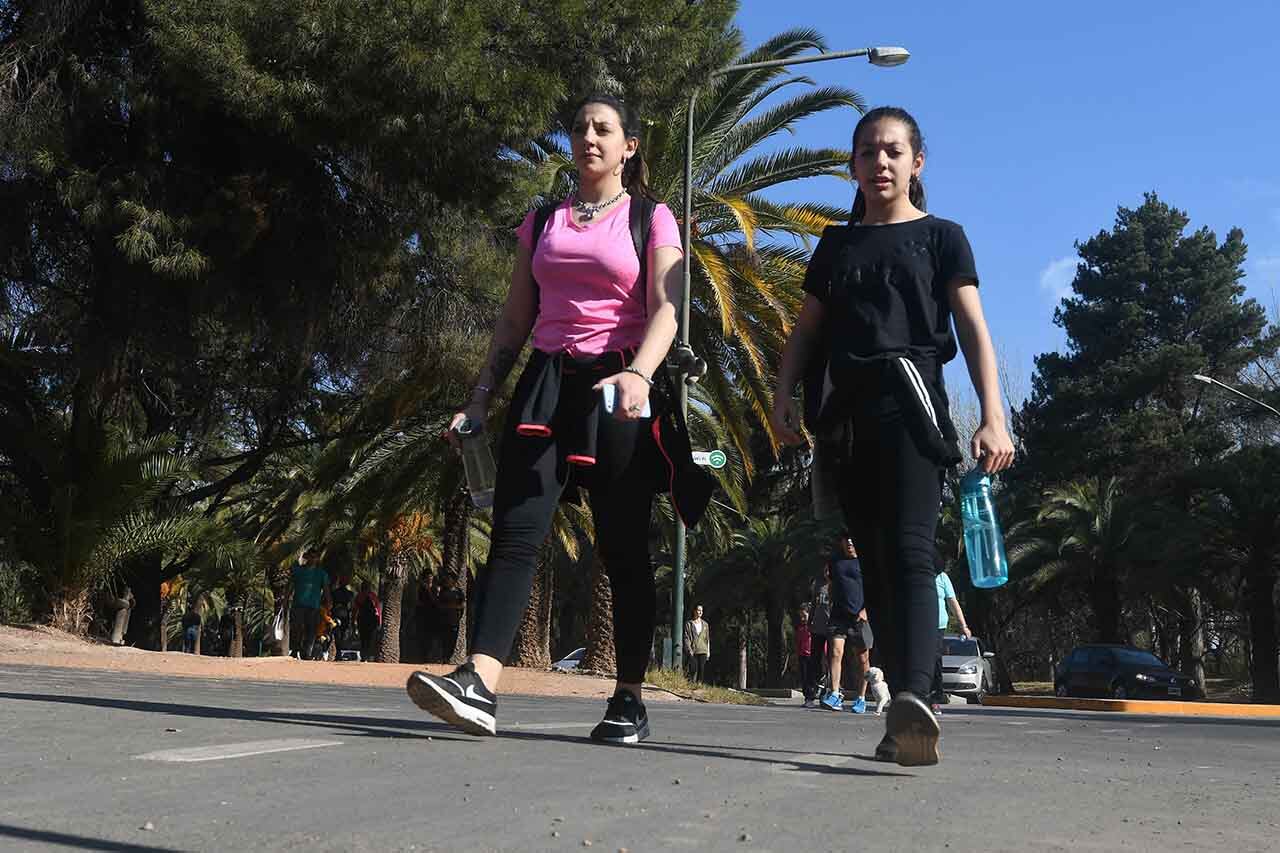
(642, 208)
(541, 216)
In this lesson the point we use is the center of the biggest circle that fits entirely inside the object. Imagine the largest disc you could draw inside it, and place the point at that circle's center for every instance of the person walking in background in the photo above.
(596, 281)
(948, 606)
(309, 580)
(191, 629)
(819, 621)
(804, 655)
(342, 609)
(848, 620)
(870, 343)
(697, 644)
(368, 619)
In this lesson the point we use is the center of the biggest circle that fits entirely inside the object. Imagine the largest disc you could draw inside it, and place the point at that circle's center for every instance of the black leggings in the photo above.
(532, 474)
(891, 497)
(697, 667)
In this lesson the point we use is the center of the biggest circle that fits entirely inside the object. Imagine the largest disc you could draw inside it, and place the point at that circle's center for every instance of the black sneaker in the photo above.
(459, 698)
(914, 729)
(625, 720)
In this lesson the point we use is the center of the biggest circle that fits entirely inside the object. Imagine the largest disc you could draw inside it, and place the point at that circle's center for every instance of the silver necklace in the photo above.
(589, 211)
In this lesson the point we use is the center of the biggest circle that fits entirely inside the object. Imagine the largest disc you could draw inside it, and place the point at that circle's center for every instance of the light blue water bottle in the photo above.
(983, 542)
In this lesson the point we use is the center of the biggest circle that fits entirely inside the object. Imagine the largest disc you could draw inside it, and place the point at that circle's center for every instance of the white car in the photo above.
(966, 668)
(570, 661)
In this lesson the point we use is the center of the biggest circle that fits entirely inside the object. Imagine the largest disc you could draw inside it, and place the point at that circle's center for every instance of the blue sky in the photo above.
(1042, 118)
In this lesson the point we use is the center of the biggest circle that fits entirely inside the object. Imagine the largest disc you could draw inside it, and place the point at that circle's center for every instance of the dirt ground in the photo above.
(43, 646)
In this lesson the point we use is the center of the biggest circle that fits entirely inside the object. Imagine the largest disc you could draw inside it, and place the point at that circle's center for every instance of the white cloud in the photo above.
(1056, 278)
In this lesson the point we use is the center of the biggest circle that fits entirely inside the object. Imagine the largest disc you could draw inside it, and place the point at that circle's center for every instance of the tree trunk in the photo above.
(1191, 635)
(237, 634)
(1104, 596)
(393, 585)
(532, 647)
(742, 654)
(600, 655)
(1260, 594)
(460, 644)
(164, 635)
(775, 650)
(456, 567)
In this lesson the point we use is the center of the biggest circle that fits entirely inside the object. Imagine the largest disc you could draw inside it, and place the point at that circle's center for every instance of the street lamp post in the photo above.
(1209, 380)
(885, 57)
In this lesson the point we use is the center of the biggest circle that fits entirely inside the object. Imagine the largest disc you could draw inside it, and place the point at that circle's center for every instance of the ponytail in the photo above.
(915, 189)
(635, 176)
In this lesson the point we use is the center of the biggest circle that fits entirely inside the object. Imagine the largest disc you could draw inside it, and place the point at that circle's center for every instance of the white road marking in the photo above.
(1113, 731)
(539, 726)
(1046, 731)
(235, 750)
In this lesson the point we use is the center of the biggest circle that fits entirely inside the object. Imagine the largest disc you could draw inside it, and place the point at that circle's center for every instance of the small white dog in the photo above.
(879, 690)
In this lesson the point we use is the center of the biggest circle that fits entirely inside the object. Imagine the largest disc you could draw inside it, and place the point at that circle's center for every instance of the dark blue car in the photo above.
(1121, 672)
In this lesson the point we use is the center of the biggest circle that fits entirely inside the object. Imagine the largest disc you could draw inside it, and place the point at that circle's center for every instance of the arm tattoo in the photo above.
(504, 358)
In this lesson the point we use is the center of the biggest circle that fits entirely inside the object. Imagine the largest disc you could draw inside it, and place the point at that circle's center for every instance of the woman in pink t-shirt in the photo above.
(593, 324)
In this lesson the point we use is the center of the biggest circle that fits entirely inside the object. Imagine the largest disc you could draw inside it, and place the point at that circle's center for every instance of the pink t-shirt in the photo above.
(590, 299)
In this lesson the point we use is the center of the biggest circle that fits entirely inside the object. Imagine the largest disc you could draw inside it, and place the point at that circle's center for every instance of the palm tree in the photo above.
(95, 513)
(405, 538)
(1082, 536)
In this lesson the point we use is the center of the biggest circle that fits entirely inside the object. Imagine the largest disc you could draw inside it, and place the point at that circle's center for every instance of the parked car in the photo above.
(1121, 672)
(569, 662)
(966, 668)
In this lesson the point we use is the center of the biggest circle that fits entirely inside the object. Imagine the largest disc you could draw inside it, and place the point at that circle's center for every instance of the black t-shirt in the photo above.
(884, 288)
(846, 588)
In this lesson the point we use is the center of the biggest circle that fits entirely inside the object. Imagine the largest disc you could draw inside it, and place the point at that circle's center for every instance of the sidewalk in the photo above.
(1138, 706)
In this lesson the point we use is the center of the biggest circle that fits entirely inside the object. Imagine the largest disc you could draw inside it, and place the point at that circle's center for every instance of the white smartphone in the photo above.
(610, 394)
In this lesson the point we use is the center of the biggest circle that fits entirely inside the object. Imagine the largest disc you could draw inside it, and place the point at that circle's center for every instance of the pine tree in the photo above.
(1151, 306)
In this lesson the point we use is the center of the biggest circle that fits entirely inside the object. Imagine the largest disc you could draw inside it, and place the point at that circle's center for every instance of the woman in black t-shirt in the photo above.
(870, 342)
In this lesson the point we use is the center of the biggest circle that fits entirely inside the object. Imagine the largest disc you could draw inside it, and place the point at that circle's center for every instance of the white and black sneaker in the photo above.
(625, 720)
(459, 698)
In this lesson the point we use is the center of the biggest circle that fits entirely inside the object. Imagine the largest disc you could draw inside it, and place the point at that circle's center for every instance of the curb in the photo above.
(1174, 709)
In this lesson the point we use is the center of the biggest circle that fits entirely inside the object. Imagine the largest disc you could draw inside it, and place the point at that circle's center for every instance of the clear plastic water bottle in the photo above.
(983, 541)
(477, 462)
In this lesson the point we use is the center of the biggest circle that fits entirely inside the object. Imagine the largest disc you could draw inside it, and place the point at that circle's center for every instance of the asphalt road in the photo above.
(115, 761)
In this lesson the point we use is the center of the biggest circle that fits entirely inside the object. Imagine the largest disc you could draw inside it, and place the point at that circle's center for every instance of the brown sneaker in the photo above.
(914, 730)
